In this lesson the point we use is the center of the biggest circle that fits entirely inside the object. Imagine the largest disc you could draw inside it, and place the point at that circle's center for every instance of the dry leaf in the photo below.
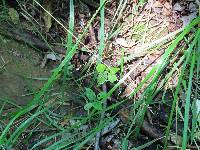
(47, 17)
(124, 43)
(53, 57)
(166, 11)
(168, 6)
(176, 139)
(157, 4)
(192, 7)
(178, 7)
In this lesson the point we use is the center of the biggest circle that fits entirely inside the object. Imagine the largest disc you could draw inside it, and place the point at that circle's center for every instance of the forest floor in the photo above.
(108, 99)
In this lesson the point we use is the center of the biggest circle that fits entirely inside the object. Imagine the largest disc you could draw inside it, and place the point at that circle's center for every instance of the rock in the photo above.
(192, 7)
(187, 19)
(178, 7)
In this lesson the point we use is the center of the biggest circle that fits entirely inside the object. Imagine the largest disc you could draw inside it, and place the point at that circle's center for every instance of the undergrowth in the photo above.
(67, 131)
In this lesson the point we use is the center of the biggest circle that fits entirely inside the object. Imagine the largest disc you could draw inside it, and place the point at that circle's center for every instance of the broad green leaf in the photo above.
(90, 94)
(88, 106)
(112, 78)
(100, 68)
(113, 70)
(102, 78)
(97, 105)
(101, 95)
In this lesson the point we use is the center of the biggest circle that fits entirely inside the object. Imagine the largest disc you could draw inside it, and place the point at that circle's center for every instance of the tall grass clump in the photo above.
(40, 109)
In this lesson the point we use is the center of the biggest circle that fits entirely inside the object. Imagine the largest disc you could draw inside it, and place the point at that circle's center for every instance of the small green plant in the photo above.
(93, 100)
(106, 74)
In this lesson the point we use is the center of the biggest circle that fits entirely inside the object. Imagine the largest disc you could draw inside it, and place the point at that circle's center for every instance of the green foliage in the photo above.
(90, 94)
(106, 74)
(94, 101)
(13, 15)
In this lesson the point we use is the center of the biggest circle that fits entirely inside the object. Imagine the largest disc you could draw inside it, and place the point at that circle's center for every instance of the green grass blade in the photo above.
(69, 43)
(22, 127)
(187, 104)
(102, 37)
(146, 144)
(50, 81)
